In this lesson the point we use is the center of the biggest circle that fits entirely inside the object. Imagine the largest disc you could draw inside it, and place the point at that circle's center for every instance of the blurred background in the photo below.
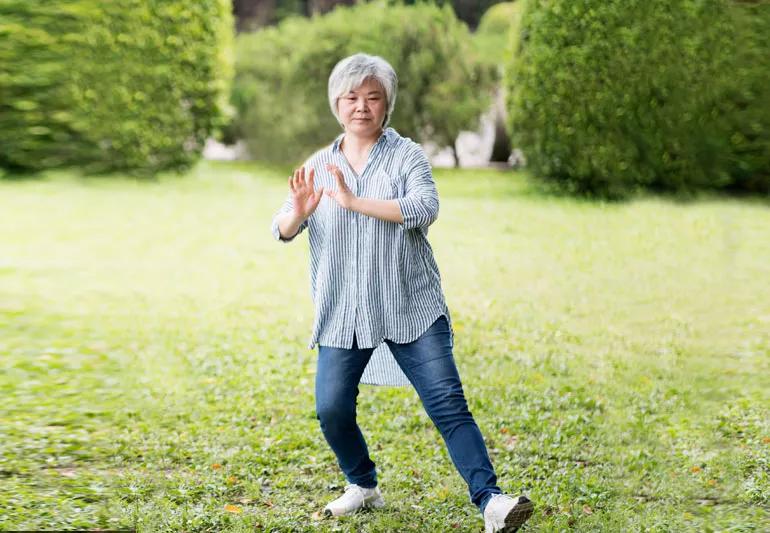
(599, 98)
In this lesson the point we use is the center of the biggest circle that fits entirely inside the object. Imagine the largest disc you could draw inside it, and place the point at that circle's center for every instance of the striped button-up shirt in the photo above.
(375, 278)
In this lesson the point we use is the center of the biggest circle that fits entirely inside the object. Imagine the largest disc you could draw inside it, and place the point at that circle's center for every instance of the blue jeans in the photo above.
(429, 364)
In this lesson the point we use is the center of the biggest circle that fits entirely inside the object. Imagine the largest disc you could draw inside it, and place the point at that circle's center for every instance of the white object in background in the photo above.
(217, 151)
(474, 148)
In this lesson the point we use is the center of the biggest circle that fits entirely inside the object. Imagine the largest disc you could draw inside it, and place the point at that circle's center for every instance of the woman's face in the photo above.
(362, 110)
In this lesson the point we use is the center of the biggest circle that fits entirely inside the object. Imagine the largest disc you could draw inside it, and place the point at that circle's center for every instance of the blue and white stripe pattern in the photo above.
(376, 278)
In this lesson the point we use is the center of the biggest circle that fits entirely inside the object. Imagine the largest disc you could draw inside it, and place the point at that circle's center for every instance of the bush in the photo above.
(745, 104)
(607, 97)
(133, 86)
(280, 88)
(493, 40)
(493, 36)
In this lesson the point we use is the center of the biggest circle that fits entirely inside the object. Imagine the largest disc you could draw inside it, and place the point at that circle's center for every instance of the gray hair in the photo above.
(352, 71)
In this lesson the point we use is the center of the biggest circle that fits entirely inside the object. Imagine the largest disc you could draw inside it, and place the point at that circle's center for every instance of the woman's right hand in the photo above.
(305, 198)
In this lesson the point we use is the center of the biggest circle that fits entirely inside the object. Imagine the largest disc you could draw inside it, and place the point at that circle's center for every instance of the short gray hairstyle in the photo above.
(352, 71)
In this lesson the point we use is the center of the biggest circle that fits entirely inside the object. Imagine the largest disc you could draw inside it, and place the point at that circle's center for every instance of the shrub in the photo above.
(745, 104)
(493, 34)
(493, 40)
(132, 86)
(607, 97)
(280, 88)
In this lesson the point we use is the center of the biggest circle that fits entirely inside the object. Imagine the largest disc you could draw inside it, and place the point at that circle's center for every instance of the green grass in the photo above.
(154, 363)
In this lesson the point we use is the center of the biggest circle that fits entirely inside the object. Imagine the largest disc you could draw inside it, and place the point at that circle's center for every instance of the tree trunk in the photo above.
(501, 148)
(324, 6)
(253, 14)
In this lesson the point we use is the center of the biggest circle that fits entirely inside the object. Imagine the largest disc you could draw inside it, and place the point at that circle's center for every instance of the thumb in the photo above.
(340, 178)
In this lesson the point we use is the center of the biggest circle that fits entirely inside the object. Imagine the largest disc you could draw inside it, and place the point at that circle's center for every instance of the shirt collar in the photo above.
(388, 136)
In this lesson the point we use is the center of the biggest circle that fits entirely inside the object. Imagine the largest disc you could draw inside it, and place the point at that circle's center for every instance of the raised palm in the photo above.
(305, 198)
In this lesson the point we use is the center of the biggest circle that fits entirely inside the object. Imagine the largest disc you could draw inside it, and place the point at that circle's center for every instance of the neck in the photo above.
(359, 144)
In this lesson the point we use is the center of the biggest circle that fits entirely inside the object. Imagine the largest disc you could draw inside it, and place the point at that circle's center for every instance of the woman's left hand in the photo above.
(343, 195)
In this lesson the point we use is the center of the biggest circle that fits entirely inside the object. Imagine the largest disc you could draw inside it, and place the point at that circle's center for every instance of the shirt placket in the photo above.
(355, 187)
(356, 255)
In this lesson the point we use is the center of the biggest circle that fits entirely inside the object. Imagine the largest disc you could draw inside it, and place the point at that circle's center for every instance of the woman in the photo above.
(367, 200)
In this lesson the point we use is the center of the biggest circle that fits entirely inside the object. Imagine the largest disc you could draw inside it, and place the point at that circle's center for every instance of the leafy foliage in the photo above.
(136, 85)
(280, 88)
(493, 36)
(608, 97)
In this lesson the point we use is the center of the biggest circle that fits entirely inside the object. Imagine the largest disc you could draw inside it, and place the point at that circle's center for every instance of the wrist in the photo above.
(295, 218)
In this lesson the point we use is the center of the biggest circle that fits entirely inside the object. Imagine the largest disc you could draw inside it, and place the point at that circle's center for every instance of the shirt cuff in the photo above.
(277, 233)
(416, 213)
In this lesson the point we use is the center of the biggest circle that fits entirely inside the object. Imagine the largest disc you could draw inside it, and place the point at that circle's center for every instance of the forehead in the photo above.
(369, 85)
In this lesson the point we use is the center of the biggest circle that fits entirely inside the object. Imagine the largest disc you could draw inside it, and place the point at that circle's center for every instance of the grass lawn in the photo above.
(155, 371)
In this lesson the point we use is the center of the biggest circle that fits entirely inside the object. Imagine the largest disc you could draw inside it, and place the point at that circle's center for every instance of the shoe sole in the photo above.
(517, 516)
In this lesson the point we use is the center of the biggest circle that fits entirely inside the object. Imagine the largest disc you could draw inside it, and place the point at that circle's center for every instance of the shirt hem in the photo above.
(315, 340)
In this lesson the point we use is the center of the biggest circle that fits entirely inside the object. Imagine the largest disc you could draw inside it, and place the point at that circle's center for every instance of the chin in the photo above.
(363, 128)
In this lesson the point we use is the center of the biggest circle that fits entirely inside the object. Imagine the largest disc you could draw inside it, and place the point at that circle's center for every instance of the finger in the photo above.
(341, 181)
(291, 183)
(317, 197)
(310, 178)
(298, 181)
(302, 174)
(340, 178)
(334, 169)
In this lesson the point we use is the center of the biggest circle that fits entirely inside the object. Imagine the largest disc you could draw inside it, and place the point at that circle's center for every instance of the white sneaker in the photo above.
(355, 499)
(505, 514)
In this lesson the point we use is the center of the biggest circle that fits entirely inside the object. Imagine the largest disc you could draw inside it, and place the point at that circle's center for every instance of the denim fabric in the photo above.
(429, 364)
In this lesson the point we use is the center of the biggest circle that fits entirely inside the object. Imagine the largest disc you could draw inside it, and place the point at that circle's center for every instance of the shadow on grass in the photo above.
(458, 183)
(20, 175)
(510, 183)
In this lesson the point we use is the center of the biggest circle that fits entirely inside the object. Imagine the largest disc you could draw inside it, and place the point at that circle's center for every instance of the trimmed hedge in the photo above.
(608, 97)
(280, 88)
(134, 86)
(745, 107)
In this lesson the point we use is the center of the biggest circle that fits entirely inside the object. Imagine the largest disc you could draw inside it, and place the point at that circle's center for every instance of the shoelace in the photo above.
(352, 494)
(355, 487)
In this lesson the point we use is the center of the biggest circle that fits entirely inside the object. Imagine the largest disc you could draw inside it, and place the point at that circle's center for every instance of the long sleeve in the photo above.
(420, 204)
(287, 207)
